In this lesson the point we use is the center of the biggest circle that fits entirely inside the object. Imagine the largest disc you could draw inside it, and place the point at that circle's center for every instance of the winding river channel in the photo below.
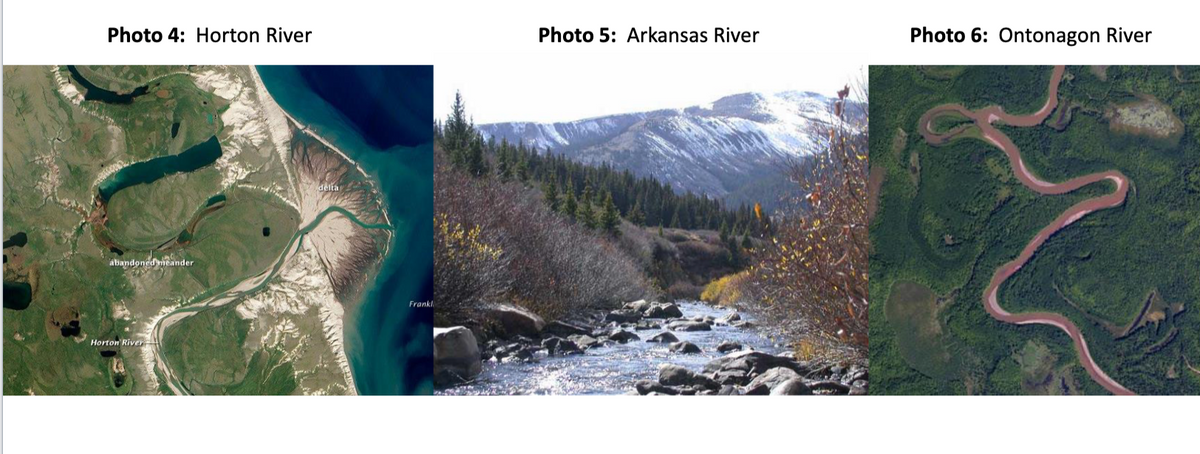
(194, 158)
(983, 119)
(230, 293)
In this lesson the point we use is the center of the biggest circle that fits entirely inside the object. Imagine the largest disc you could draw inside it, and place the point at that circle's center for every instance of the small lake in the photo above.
(192, 159)
(17, 295)
(95, 93)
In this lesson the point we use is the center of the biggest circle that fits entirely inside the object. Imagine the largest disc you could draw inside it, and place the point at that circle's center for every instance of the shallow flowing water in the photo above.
(613, 369)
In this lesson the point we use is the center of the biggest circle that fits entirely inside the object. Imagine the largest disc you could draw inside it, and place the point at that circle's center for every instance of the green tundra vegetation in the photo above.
(59, 152)
(948, 216)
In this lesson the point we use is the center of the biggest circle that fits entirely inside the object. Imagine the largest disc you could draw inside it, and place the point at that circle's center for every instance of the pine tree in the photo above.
(585, 214)
(660, 231)
(610, 219)
(724, 232)
(636, 216)
(522, 169)
(504, 162)
(571, 206)
(458, 130)
(475, 163)
(550, 191)
(586, 197)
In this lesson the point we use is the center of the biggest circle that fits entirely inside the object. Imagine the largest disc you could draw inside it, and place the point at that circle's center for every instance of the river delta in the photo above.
(198, 173)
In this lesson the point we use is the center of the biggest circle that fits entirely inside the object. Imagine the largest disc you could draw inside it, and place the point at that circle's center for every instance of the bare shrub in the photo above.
(549, 265)
(683, 290)
(811, 279)
(469, 266)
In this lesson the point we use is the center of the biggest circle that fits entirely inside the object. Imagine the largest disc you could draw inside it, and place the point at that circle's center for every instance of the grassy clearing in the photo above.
(229, 244)
(912, 310)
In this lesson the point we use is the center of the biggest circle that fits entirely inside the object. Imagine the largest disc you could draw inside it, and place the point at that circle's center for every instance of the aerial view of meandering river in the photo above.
(381, 117)
(221, 296)
(984, 119)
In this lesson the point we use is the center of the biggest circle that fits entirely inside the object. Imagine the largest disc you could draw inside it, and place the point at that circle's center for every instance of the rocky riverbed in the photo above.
(645, 348)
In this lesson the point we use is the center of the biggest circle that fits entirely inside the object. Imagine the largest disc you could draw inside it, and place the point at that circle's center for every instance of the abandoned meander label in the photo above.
(150, 263)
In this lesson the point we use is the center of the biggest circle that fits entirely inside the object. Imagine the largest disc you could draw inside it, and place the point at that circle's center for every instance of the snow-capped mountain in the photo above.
(728, 149)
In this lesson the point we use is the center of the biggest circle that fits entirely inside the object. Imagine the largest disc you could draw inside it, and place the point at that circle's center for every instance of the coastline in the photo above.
(281, 122)
(269, 102)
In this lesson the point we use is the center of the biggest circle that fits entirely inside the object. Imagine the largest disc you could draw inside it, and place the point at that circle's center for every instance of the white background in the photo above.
(487, 37)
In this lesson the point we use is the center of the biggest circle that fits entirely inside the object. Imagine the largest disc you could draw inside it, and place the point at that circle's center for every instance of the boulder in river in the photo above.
(791, 387)
(645, 387)
(645, 325)
(728, 346)
(514, 321)
(774, 377)
(564, 329)
(603, 331)
(855, 373)
(623, 316)
(584, 341)
(623, 336)
(638, 306)
(672, 375)
(664, 336)
(684, 347)
(829, 387)
(753, 362)
(742, 324)
(858, 388)
(560, 346)
(688, 325)
(456, 356)
(759, 389)
(522, 353)
(663, 311)
(728, 318)
(732, 377)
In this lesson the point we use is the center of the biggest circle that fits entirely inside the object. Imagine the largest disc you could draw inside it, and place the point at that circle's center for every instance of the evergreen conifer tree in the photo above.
(610, 219)
(522, 169)
(636, 216)
(550, 192)
(571, 205)
(504, 161)
(585, 214)
(458, 130)
(475, 163)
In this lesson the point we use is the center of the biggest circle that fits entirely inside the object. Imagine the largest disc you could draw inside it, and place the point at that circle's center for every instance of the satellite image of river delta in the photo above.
(179, 230)
(1035, 230)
